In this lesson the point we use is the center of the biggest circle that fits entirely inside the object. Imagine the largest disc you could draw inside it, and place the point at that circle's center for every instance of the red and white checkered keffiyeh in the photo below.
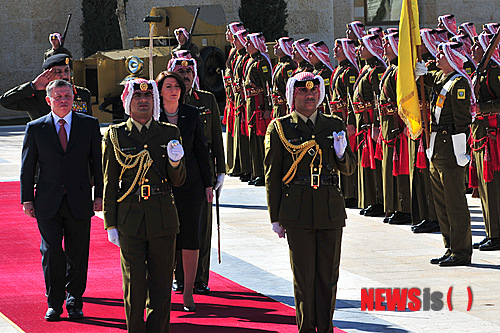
(484, 40)
(393, 39)
(291, 87)
(241, 35)
(429, 39)
(178, 63)
(449, 23)
(234, 27)
(285, 44)
(57, 35)
(376, 31)
(469, 28)
(320, 50)
(358, 28)
(349, 50)
(374, 45)
(456, 61)
(301, 47)
(259, 42)
(491, 28)
(442, 35)
(141, 84)
(466, 48)
(179, 31)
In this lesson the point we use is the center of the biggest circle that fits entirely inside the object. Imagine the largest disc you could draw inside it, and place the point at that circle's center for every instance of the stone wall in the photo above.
(25, 26)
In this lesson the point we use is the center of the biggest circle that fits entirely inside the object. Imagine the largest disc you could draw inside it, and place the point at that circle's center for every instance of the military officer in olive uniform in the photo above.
(299, 55)
(206, 103)
(303, 198)
(142, 160)
(30, 96)
(342, 85)
(319, 56)
(258, 76)
(370, 196)
(282, 71)
(485, 136)
(423, 211)
(451, 116)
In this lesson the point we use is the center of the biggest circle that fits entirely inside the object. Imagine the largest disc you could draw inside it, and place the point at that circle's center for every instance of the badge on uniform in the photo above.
(499, 78)
(290, 72)
(264, 69)
(469, 71)
(352, 79)
(327, 82)
(440, 101)
(380, 76)
(461, 94)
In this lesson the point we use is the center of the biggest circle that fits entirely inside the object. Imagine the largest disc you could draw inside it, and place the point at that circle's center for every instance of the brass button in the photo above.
(313, 136)
(205, 121)
(162, 155)
(286, 195)
(315, 169)
(145, 146)
(146, 180)
(444, 140)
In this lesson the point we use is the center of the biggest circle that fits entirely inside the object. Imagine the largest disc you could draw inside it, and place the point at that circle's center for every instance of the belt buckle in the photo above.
(145, 191)
(315, 180)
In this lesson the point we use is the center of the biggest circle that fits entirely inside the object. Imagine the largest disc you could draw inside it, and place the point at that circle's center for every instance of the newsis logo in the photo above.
(412, 299)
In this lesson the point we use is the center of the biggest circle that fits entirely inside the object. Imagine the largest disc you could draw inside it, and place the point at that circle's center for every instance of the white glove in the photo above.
(459, 148)
(220, 182)
(279, 229)
(175, 151)
(420, 69)
(339, 143)
(113, 236)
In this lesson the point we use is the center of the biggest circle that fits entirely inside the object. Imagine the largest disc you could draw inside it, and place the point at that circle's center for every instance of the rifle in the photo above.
(192, 27)
(217, 214)
(65, 30)
(485, 61)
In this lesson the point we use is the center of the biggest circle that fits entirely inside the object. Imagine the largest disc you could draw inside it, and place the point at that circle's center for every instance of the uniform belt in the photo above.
(325, 180)
(278, 100)
(360, 106)
(442, 129)
(487, 113)
(146, 190)
(237, 87)
(338, 106)
(251, 92)
(388, 109)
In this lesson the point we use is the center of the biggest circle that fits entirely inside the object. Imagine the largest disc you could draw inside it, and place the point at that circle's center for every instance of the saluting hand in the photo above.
(42, 80)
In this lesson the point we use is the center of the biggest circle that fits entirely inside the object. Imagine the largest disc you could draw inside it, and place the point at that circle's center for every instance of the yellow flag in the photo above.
(406, 87)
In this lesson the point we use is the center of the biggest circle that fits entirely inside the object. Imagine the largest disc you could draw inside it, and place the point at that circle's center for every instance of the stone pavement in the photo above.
(374, 255)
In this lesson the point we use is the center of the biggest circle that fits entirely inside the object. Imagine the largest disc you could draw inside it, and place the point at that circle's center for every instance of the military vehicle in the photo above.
(104, 73)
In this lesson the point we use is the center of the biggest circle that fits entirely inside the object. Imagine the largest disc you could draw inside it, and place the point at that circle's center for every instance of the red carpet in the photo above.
(230, 307)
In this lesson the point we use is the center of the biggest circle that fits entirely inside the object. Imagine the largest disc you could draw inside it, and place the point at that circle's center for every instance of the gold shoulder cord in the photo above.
(298, 152)
(143, 159)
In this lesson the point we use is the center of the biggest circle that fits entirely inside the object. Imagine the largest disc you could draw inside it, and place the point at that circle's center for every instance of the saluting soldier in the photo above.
(258, 76)
(319, 56)
(423, 211)
(303, 199)
(206, 103)
(30, 96)
(451, 116)
(142, 160)
(299, 55)
(370, 197)
(342, 85)
(241, 143)
(395, 161)
(484, 146)
(282, 71)
(229, 111)
(57, 48)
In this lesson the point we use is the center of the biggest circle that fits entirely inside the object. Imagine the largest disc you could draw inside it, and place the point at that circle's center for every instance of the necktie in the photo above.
(310, 124)
(63, 137)
(144, 131)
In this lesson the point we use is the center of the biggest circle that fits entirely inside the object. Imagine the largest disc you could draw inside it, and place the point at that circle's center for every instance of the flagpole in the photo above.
(423, 109)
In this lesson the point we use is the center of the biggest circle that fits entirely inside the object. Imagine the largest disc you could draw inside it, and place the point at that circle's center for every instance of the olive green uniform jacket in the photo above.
(281, 73)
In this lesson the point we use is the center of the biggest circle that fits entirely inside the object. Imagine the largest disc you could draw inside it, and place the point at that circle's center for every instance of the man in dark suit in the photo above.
(67, 147)
(304, 152)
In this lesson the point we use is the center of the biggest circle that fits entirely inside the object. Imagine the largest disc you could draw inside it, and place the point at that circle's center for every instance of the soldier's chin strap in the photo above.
(298, 152)
(142, 159)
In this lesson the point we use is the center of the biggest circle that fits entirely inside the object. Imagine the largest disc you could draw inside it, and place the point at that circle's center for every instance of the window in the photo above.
(382, 12)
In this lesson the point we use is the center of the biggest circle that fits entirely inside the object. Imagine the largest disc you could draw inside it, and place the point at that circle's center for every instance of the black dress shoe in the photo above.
(400, 218)
(478, 244)
(201, 288)
(375, 210)
(493, 244)
(454, 261)
(188, 309)
(436, 261)
(75, 314)
(259, 181)
(351, 203)
(178, 286)
(245, 177)
(426, 226)
(362, 211)
(53, 314)
(386, 219)
(252, 181)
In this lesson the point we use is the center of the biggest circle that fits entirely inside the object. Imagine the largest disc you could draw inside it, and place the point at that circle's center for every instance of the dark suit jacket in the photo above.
(62, 171)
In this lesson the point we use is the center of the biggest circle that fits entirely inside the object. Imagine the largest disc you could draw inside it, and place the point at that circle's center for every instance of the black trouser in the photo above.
(65, 270)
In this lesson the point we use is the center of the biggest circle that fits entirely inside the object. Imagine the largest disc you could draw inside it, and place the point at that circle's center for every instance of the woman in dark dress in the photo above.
(189, 198)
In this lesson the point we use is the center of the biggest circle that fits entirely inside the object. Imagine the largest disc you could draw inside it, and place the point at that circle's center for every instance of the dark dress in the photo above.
(190, 198)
